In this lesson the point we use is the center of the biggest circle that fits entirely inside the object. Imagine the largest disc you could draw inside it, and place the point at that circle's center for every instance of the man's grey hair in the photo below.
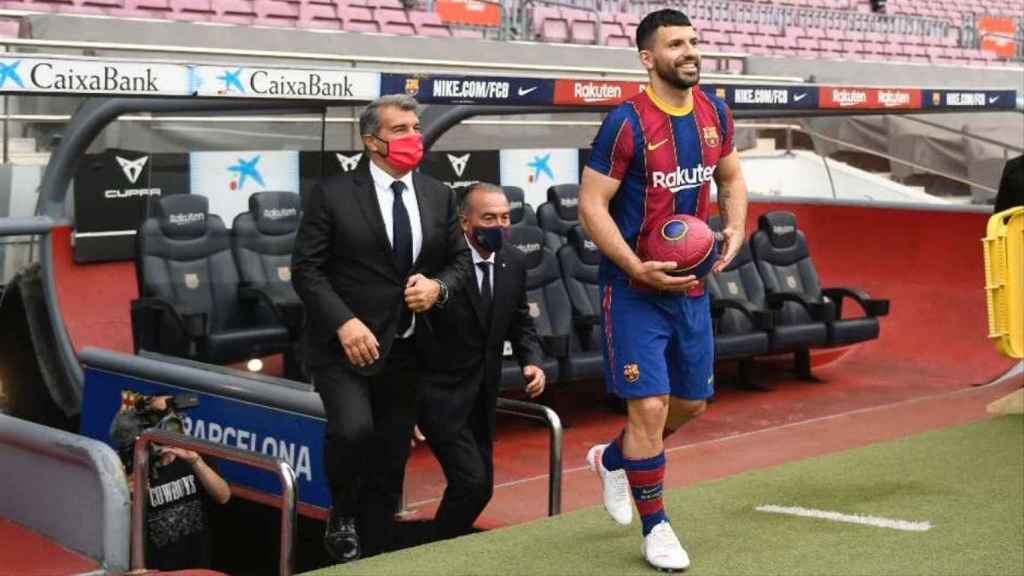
(464, 193)
(369, 118)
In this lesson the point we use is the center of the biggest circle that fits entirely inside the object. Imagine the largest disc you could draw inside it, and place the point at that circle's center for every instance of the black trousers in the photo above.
(369, 427)
(465, 451)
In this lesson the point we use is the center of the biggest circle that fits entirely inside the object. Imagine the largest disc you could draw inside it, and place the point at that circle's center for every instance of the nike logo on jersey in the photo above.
(653, 147)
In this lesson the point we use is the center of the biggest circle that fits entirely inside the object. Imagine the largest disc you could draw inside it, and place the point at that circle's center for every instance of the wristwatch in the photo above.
(442, 299)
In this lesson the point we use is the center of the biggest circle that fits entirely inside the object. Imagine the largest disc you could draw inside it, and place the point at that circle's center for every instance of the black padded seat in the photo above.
(188, 283)
(784, 261)
(580, 259)
(559, 214)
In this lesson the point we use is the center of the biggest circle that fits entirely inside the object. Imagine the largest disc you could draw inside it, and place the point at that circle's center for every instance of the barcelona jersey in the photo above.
(664, 157)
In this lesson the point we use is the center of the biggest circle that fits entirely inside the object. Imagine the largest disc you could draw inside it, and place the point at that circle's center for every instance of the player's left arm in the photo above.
(732, 203)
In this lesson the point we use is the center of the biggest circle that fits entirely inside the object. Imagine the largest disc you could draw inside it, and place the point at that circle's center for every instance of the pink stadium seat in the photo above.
(49, 5)
(741, 40)
(146, 9)
(549, 24)
(394, 4)
(582, 26)
(394, 21)
(319, 16)
(357, 19)
(629, 19)
(829, 45)
(9, 28)
(768, 30)
(276, 13)
(107, 7)
(612, 33)
(429, 24)
(816, 33)
(192, 10)
(235, 11)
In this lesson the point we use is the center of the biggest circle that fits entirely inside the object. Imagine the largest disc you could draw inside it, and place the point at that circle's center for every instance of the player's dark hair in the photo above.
(649, 25)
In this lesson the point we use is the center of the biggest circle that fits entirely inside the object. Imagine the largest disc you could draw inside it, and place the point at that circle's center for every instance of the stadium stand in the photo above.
(919, 31)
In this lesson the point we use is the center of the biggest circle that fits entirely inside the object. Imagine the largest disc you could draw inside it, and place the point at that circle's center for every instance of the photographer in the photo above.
(181, 485)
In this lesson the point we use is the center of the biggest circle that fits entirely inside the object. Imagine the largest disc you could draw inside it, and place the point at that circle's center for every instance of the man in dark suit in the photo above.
(376, 247)
(460, 386)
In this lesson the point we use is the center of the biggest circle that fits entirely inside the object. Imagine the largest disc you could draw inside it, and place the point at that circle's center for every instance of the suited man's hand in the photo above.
(360, 344)
(535, 379)
(421, 293)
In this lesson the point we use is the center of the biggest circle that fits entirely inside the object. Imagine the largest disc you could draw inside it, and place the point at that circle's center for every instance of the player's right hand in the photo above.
(656, 275)
(360, 344)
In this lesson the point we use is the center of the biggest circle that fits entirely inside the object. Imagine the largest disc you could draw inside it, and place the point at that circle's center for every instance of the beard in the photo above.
(672, 75)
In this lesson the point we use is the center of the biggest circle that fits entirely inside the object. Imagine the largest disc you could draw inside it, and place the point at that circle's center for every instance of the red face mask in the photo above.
(404, 154)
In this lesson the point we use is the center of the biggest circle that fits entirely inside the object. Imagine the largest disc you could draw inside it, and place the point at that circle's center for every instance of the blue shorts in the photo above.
(657, 344)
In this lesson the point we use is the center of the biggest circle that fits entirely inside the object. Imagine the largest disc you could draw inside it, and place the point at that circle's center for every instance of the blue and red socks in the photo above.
(612, 458)
(645, 479)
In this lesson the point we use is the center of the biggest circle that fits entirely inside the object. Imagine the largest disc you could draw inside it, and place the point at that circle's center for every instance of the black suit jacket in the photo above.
(343, 266)
(464, 369)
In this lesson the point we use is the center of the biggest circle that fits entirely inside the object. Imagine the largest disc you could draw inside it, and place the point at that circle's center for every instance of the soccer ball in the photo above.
(683, 239)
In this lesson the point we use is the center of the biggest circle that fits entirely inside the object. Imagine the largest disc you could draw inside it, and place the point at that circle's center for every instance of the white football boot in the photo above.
(617, 498)
(662, 550)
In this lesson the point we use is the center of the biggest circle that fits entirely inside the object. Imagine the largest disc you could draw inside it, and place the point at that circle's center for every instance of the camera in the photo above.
(140, 412)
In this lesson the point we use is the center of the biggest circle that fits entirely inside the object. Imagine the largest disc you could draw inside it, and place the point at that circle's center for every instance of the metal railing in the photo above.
(549, 416)
(1006, 146)
(285, 473)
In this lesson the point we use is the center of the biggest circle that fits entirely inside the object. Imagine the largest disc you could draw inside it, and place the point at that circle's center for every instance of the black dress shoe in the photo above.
(341, 540)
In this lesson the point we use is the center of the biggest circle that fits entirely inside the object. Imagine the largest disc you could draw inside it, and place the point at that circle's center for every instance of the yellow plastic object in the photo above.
(1004, 280)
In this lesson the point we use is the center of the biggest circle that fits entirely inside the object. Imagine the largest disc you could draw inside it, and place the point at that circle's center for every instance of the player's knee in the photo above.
(693, 408)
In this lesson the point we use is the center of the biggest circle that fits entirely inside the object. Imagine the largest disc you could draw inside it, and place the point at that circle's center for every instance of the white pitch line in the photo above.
(876, 521)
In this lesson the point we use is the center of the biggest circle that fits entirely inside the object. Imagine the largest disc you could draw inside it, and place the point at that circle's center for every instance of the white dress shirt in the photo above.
(386, 200)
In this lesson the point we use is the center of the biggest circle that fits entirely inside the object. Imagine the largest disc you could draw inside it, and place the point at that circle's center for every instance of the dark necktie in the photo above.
(485, 288)
(402, 243)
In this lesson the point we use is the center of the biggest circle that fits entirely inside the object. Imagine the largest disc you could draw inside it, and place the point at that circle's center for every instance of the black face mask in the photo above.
(490, 238)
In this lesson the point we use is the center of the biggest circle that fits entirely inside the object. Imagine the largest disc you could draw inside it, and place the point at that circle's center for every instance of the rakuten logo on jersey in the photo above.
(683, 179)
(594, 92)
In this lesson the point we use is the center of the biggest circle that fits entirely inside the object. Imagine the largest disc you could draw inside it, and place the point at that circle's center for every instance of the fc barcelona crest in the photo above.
(936, 99)
(631, 372)
(284, 273)
(720, 92)
(711, 136)
(534, 309)
(412, 86)
(192, 281)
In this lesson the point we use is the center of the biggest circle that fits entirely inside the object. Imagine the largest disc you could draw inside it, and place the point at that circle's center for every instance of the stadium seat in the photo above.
(784, 261)
(741, 322)
(549, 25)
(261, 242)
(188, 284)
(522, 213)
(394, 21)
(429, 24)
(559, 214)
(548, 302)
(235, 11)
(147, 8)
(276, 13)
(579, 259)
(357, 19)
(319, 16)
(192, 10)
